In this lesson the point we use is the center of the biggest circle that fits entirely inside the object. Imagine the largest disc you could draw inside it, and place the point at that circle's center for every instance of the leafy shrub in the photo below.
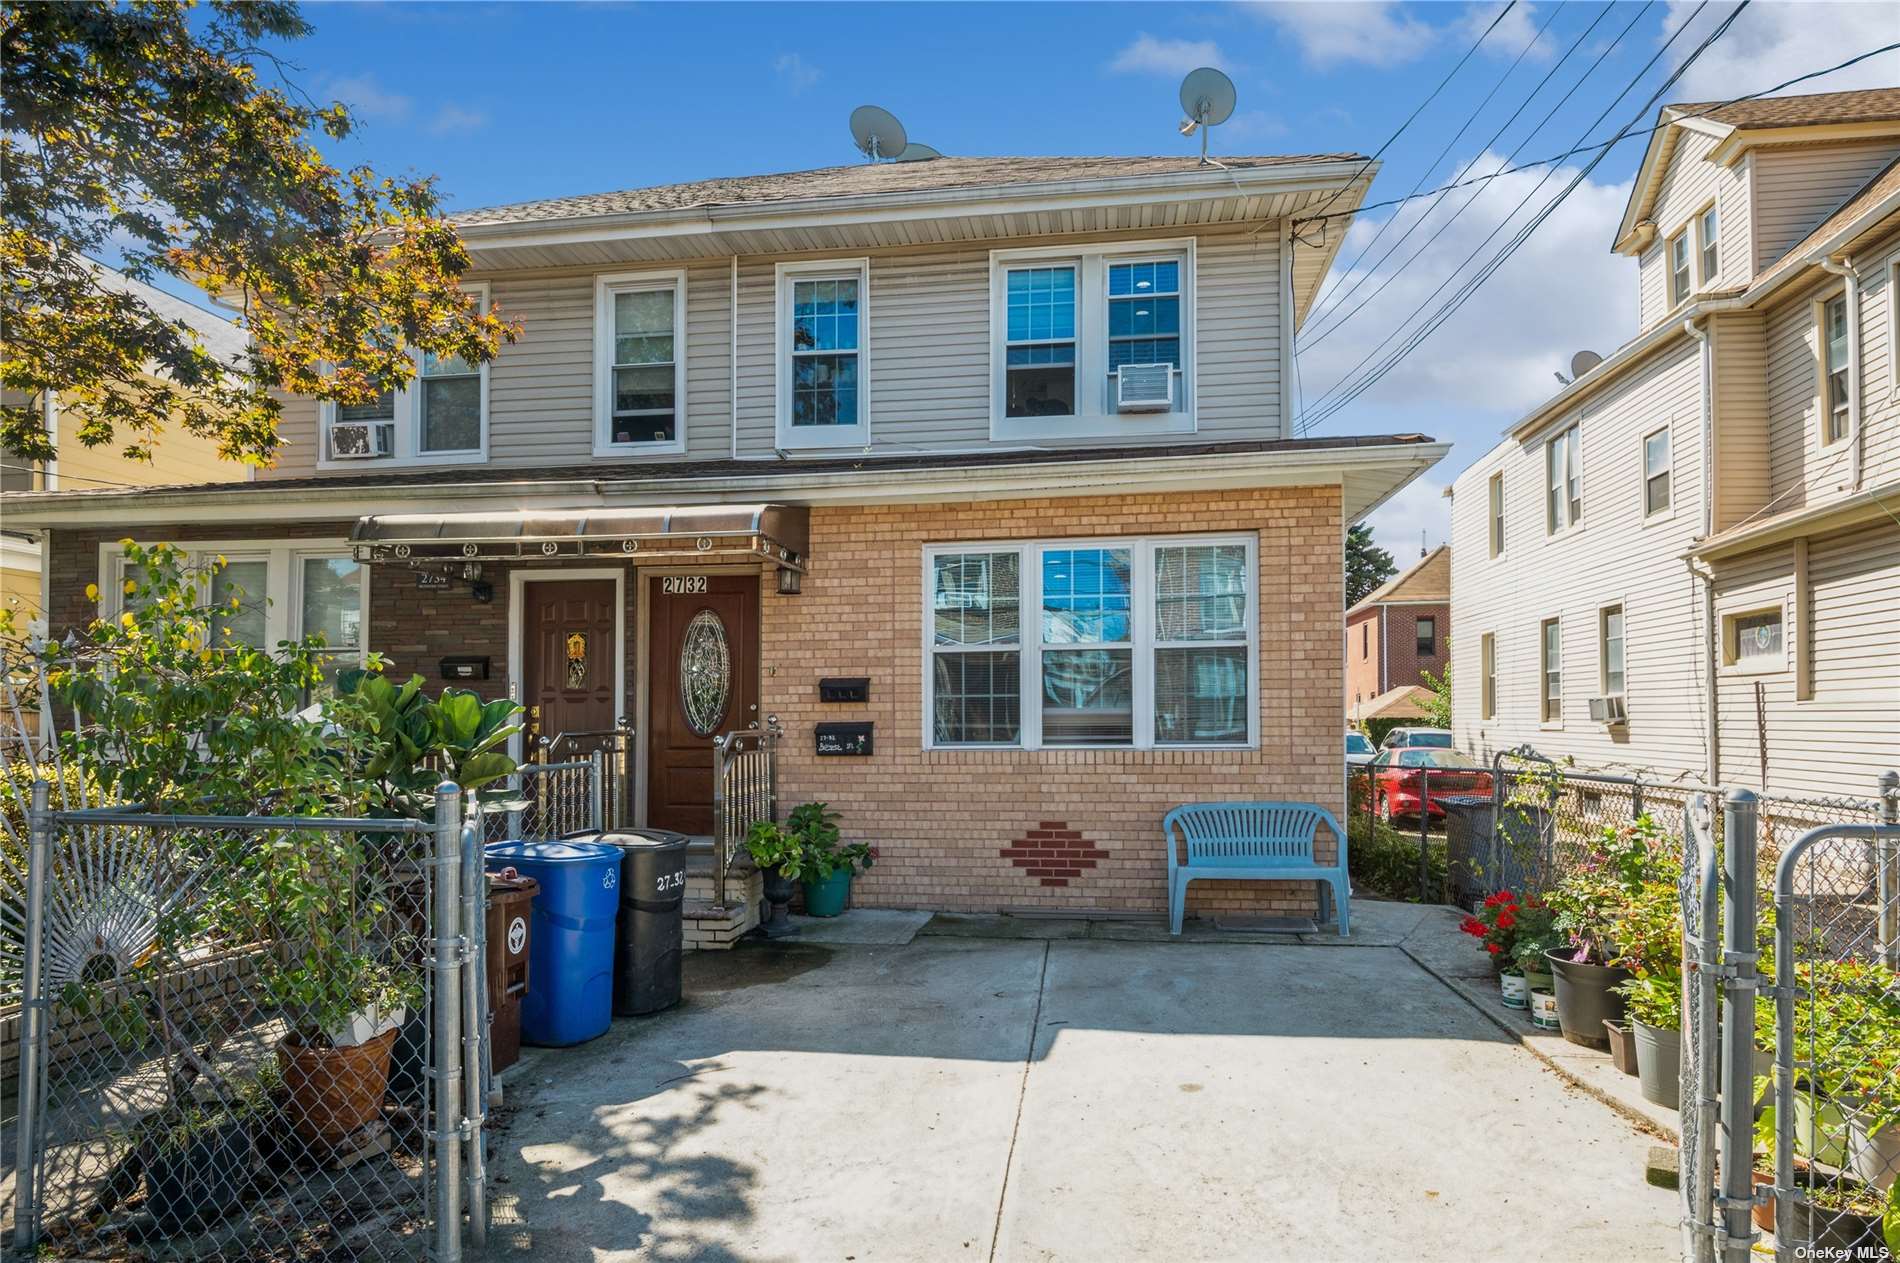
(1384, 862)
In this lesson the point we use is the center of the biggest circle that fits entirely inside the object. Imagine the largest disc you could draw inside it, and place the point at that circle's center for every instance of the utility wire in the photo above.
(1346, 393)
(1424, 175)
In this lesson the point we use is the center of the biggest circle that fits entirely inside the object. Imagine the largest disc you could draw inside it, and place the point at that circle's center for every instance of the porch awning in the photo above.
(775, 533)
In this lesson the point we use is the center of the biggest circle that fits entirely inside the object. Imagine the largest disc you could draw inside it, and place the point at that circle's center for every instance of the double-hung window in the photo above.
(1551, 661)
(440, 417)
(1124, 643)
(1563, 480)
(1425, 636)
(1679, 268)
(824, 333)
(448, 407)
(1610, 649)
(1656, 472)
(1488, 675)
(1094, 342)
(1497, 513)
(1708, 246)
(640, 363)
(1834, 369)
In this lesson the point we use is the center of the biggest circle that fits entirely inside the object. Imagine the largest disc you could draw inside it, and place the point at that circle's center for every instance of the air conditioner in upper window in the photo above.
(362, 440)
(1609, 710)
(1144, 388)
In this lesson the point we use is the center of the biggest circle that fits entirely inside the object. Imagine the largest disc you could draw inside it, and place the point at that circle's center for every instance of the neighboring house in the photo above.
(1693, 548)
(1396, 634)
(177, 457)
(1007, 440)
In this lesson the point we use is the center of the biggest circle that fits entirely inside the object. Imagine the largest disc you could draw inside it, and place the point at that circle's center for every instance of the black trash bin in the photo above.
(648, 935)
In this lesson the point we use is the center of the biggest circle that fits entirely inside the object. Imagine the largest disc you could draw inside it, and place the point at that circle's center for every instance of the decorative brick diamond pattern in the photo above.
(1052, 853)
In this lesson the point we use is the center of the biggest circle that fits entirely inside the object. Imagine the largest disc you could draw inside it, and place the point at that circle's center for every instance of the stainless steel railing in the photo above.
(745, 790)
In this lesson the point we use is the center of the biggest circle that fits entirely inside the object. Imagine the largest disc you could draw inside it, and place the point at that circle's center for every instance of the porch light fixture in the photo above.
(788, 581)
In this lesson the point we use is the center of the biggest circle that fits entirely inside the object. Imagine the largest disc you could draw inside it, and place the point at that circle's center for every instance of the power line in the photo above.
(1528, 137)
(1458, 300)
(103, 482)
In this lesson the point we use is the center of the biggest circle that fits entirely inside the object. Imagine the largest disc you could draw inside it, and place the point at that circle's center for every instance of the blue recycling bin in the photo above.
(571, 965)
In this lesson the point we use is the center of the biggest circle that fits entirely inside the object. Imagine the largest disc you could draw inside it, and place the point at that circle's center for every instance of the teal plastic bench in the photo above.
(1253, 842)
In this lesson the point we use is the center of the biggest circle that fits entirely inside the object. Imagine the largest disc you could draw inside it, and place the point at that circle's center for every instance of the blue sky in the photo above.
(509, 102)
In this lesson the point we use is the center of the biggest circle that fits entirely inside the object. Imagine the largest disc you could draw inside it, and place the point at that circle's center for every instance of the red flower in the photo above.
(1493, 948)
(1507, 919)
(1473, 927)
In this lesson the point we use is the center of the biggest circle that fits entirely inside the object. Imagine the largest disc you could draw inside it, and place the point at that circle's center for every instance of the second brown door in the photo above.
(702, 681)
(568, 657)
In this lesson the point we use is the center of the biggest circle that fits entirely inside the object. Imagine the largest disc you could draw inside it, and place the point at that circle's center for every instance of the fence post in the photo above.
(1424, 829)
(1739, 814)
(597, 772)
(26, 1218)
(1887, 870)
(1636, 797)
(446, 1013)
(474, 886)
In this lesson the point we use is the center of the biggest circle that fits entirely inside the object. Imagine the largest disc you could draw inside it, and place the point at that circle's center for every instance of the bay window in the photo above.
(1128, 644)
(639, 363)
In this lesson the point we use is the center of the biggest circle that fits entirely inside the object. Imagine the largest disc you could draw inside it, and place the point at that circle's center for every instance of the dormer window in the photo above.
(1709, 244)
(1679, 268)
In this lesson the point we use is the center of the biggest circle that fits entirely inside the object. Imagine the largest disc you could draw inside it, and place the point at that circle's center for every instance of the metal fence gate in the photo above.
(246, 1037)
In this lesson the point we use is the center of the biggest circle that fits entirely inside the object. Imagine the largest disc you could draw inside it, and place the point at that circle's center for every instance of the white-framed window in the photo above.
(640, 363)
(1656, 467)
(1563, 479)
(1497, 513)
(1679, 268)
(284, 590)
(1142, 644)
(1488, 675)
(1752, 640)
(1066, 321)
(441, 417)
(1893, 323)
(824, 327)
(1551, 666)
(1708, 245)
(1835, 368)
(1610, 650)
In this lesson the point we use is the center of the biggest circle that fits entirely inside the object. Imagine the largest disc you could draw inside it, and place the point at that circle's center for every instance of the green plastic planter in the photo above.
(826, 896)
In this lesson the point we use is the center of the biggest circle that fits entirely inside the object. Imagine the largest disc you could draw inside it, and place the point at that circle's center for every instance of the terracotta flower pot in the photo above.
(333, 1092)
(1764, 1212)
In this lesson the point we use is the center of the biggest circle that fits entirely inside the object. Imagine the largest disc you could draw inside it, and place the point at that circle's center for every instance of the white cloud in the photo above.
(1248, 126)
(1373, 33)
(1517, 29)
(1561, 291)
(367, 98)
(1148, 55)
(1772, 43)
(1420, 506)
(457, 120)
(795, 72)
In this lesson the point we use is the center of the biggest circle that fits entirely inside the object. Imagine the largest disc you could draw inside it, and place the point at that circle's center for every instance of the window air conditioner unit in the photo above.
(1608, 710)
(1144, 388)
(362, 440)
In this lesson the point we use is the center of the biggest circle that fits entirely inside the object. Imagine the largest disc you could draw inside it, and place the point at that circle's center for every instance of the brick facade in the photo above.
(975, 829)
(1382, 649)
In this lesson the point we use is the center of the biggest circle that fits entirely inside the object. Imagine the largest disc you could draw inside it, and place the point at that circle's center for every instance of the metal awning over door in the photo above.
(775, 533)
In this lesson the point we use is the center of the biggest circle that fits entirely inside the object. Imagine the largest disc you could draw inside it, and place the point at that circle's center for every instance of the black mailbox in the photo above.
(845, 688)
(844, 739)
(467, 668)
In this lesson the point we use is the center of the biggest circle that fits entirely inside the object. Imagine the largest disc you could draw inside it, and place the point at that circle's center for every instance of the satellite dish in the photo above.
(1207, 97)
(877, 132)
(1582, 362)
(914, 152)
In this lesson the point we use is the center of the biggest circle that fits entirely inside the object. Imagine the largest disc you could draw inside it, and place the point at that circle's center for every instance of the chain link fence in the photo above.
(548, 800)
(242, 1037)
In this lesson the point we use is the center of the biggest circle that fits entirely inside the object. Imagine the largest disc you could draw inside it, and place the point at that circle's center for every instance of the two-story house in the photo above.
(1396, 634)
(1688, 559)
(1005, 439)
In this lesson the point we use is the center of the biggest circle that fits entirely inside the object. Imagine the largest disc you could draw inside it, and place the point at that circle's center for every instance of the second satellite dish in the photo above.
(1207, 98)
(1582, 362)
(877, 132)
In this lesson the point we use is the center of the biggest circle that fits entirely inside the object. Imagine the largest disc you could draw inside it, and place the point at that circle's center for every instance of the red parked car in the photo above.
(1398, 780)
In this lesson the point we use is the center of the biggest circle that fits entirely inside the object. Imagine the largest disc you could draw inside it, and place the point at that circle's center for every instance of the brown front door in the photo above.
(567, 634)
(702, 680)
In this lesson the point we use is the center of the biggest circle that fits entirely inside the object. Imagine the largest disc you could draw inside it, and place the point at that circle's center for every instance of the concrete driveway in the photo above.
(1068, 1092)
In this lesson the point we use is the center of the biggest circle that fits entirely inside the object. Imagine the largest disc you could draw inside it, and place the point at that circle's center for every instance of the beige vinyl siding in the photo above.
(178, 456)
(1800, 472)
(1614, 557)
(1741, 416)
(1688, 186)
(1841, 739)
(1796, 187)
(1879, 381)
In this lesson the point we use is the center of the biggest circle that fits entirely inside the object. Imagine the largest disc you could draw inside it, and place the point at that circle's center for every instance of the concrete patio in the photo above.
(1011, 1089)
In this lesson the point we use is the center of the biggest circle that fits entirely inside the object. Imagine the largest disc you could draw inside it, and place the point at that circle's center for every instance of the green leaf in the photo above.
(458, 716)
(482, 769)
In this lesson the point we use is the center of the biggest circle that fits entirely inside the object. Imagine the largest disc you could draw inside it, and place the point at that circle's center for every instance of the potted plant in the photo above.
(200, 1156)
(806, 848)
(1536, 935)
(1654, 1007)
(1833, 1218)
(335, 1059)
(1495, 928)
(1590, 903)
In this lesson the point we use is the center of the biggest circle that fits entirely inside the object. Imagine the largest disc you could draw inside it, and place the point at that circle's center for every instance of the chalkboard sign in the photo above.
(844, 739)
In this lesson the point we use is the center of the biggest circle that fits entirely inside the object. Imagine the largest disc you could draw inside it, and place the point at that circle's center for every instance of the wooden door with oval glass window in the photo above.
(702, 681)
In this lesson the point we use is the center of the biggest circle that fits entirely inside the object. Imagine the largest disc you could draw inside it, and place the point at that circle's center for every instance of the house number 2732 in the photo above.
(683, 584)
(669, 881)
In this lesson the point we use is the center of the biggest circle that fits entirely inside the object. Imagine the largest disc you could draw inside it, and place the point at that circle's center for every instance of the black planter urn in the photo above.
(1584, 999)
(778, 898)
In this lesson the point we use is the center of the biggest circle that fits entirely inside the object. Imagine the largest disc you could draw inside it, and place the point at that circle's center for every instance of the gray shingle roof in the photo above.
(861, 180)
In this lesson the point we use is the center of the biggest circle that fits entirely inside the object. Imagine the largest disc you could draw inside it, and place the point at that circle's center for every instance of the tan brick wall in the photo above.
(942, 819)
(1363, 682)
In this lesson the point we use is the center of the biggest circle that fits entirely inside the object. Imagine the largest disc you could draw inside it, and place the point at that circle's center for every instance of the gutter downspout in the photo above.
(1711, 726)
(1845, 268)
(732, 356)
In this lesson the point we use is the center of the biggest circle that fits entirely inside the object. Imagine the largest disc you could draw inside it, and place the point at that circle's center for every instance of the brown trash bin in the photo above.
(509, 921)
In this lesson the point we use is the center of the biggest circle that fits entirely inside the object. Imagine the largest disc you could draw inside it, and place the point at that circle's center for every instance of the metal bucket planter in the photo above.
(1820, 1129)
(1659, 1063)
(1544, 1010)
(200, 1179)
(1818, 1233)
(1516, 992)
(1586, 999)
(1876, 1158)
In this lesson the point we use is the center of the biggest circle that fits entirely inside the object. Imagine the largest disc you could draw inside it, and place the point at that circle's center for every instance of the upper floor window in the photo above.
(1610, 649)
(1365, 640)
(824, 330)
(1834, 369)
(440, 416)
(1679, 268)
(1092, 343)
(22, 475)
(1497, 513)
(449, 406)
(639, 363)
(1427, 636)
(1563, 480)
(1708, 245)
(1551, 709)
(1656, 472)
